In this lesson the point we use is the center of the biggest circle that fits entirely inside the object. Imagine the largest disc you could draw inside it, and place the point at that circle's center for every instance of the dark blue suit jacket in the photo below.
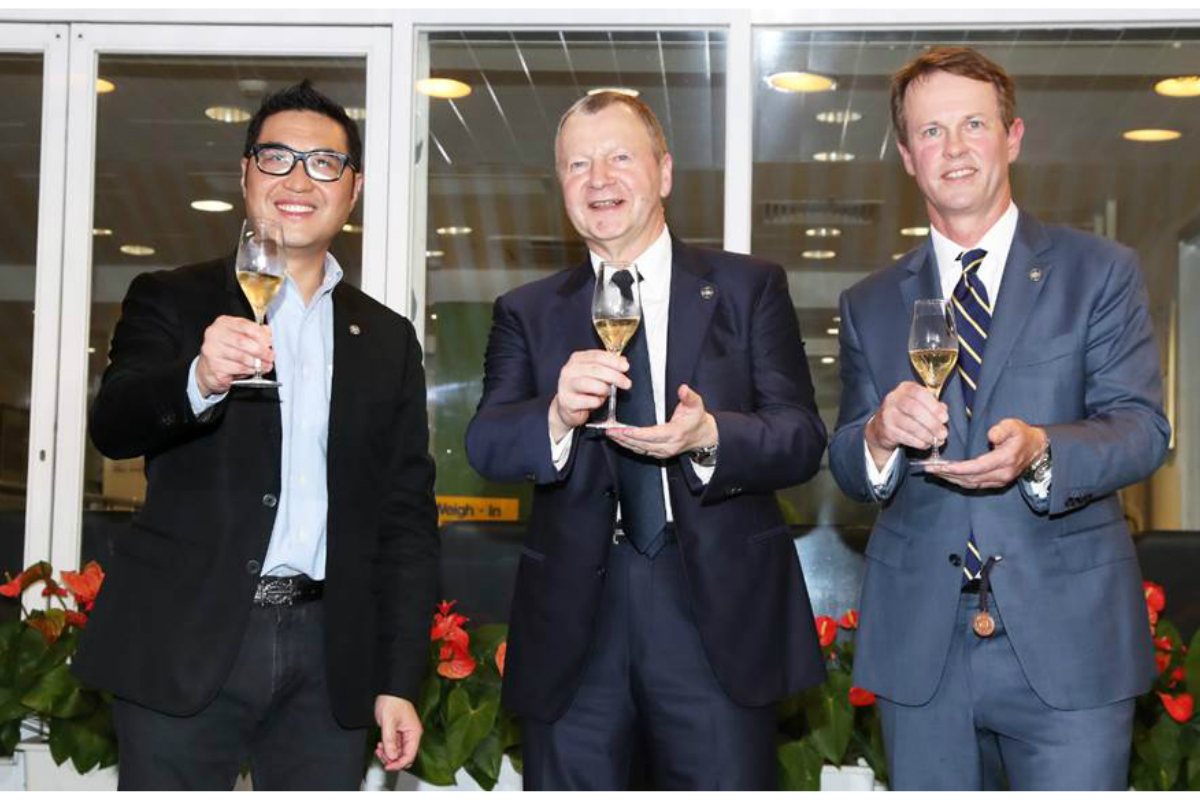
(739, 346)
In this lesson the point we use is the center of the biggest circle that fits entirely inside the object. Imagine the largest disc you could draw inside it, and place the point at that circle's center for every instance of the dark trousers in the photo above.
(272, 714)
(649, 695)
(985, 728)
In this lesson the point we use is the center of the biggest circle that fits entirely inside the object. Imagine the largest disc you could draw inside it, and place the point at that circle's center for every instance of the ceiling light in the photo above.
(1183, 86)
(229, 114)
(137, 250)
(434, 253)
(828, 360)
(834, 155)
(818, 255)
(350, 228)
(101, 231)
(916, 230)
(104, 87)
(832, 331)
(800, 82)
(356, 113)
(212, 206)
(1151, 135)
(898, 256)
(617, 89)
(839, 117)
(824, 232)
(91, 351)
(836, 318)
(444, 88)
(453, 230)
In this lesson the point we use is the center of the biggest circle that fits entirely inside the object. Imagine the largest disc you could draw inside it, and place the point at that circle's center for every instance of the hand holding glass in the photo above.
(933, 350)
(616, 313)
(260, 266)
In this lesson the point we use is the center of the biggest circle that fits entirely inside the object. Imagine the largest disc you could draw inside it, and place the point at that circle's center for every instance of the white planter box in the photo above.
(378, 780)
(43, 775)
(859, 778)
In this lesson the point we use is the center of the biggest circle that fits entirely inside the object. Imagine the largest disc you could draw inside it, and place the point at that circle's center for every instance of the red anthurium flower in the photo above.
(38, 572)
(1176, 677)
(849, 620)
(1153, 618)
(1156, 598)
(77, 618)
(861, 697)
(460, 665)
(446, 624)
(53, 589)
(1163, 643)
(85, 585)
(1179, 707)
(50, 626)
(12, 588)
(501, 653)
(1162, 661)
(826, 630)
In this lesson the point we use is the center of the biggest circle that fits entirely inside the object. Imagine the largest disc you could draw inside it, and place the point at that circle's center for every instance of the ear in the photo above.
(1016, 133)
(907, 158)
(358, 185)
(664, 177)
(245, 166)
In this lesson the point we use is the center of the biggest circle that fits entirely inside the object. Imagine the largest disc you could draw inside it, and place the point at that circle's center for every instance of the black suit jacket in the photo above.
(180, 583)
(734, 338)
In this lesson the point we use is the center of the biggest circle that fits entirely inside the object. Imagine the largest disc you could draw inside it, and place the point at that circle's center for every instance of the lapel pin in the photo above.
(355, 330)
(707, 292)
(1035, 274)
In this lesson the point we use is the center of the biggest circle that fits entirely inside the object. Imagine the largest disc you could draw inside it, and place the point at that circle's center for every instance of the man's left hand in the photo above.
(689, 428)
(401, 731)
(1015, 446)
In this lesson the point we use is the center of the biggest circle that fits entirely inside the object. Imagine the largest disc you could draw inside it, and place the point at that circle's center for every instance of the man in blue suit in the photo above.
(1002, 619)
(665, 637)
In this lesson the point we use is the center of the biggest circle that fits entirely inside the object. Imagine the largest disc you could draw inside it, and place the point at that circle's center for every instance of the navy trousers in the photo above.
(986, 728)
(649, 697)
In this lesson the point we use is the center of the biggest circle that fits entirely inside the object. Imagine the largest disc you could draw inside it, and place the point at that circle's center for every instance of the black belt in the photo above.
(972, 586)
(669, 535)
(287, 591)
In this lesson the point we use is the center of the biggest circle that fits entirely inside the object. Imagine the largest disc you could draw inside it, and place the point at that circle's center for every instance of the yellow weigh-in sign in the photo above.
(452, 508)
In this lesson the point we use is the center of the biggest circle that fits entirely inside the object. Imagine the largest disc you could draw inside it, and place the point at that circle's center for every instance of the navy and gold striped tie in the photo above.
(973, 316)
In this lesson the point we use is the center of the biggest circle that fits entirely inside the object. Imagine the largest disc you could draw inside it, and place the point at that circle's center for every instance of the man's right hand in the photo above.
(583, 386)
(231, 345)
(910, 416)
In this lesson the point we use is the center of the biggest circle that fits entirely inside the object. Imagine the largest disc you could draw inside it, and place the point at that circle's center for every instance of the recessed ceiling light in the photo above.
(834, 155)
(91, 351)
(617, 89)
(212, 206)
(453, 230)
(832, 331)
(1183, 86)
(828, 360)
(818, 255)
(836, 318)
(839, 117)
(350, 228)
(444, 88)
(356, 113)
(916, 230)
(823, 232)
(104, 87)
(229, 114)
(434, 253)
(101, 231)
(433, 317)
(137, 250)
(1151, 135)
(800, 82)
(898, 256)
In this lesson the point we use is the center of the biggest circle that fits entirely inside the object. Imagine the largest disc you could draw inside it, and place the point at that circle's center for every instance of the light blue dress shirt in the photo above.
(303, 339)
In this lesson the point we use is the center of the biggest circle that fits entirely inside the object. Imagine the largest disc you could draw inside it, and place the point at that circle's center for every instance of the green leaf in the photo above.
(467, 725)
(431, 695)
(11, 707)
(1164, 741)
(1166, 628)
(10, 736)
(1191, 665)
(799, 766)
(1193, 772)
(59, 694)
(832, 721)
(484, 765)
(433, 762)
(89, 741)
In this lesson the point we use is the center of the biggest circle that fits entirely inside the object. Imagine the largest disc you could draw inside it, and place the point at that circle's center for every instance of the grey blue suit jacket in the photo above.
(1071, 348)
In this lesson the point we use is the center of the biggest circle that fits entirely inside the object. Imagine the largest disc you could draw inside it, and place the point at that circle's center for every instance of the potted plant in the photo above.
(830, 735)
(39, 697)
(1166, 733)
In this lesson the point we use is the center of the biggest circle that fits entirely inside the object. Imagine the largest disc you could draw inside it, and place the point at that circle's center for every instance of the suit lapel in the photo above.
(350, 369)
(1018, 295)
(694, 298)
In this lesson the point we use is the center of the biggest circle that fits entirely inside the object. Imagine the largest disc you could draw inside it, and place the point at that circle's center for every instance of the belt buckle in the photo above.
(277, 593)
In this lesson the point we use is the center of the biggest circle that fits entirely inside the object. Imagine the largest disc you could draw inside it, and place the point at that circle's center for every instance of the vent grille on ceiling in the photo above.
(820, 212)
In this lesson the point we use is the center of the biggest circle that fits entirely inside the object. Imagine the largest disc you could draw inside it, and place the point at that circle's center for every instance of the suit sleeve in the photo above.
(142, 406)
(409, 542)
(781, 441)
(860, 400)
(508, 439)
(1124, 436)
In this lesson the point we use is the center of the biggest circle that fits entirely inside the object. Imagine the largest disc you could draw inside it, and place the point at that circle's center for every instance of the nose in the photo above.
(954, 145)
(598, 175)
(297, 180)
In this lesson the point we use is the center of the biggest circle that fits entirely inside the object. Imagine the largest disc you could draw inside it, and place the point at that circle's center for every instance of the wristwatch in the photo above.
(1037, 471)
(705, 456)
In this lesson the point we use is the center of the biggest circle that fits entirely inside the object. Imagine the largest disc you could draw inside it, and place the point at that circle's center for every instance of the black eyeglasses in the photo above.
(321, 165)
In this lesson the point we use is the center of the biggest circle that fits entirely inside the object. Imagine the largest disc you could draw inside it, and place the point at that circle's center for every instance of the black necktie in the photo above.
(639, 480)
(973, 313)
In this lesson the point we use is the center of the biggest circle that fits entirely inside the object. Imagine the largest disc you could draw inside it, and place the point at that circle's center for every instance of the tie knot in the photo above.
(972, 259)
(623, 280)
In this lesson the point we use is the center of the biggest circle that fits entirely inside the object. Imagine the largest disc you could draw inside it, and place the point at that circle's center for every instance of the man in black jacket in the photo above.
(280, 578)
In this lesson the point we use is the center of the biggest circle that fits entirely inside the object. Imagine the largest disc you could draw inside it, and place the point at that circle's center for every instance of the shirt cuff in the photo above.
(200, 404)
(879, 478)
(1039, 489)
(703, 473)
(560, 452)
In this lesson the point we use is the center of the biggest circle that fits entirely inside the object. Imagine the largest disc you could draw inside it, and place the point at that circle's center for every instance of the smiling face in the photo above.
(312, 213)
(612, 184)
(959, 152)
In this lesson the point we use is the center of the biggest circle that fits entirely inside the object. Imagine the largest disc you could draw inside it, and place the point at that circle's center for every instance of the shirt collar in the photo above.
(333, 276)
(654, 265)
(995, 242)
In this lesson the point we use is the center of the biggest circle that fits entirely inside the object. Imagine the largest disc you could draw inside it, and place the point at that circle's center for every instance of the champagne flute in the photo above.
(260, 266)
(616, 314)
(933, 350)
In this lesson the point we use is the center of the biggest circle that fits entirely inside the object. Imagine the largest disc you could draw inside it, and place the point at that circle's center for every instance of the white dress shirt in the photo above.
(654, 265)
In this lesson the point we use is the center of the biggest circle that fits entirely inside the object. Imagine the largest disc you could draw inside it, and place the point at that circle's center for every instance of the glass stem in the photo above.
(612, 403)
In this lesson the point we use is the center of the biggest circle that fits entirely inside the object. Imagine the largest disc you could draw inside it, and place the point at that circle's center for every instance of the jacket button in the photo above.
(168, 418)
(270, 500)
(253, 567)
(529, 476)
(600, 572)
(610, 493)
(955, 560)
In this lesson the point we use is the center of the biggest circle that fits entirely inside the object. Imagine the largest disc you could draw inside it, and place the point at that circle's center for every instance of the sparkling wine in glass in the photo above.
(260, 267)
(616, 314)
(933, 350)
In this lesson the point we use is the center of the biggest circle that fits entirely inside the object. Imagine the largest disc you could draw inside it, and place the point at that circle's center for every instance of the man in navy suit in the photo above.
(1003, 626)
(660, 610)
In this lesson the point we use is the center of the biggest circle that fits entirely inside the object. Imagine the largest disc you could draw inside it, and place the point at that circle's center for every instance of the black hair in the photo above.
(303, 97)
